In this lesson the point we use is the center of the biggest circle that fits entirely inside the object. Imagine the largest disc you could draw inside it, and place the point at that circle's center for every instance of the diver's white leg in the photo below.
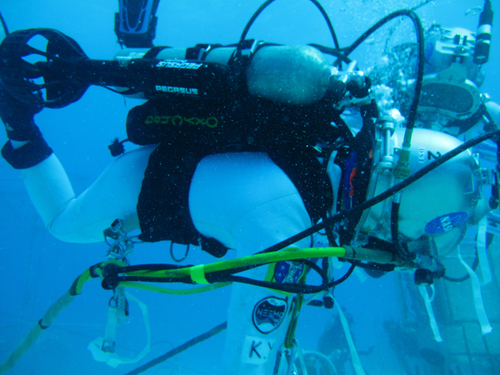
(82, 219)
(250, 348)
(246, 202)
(48, 187)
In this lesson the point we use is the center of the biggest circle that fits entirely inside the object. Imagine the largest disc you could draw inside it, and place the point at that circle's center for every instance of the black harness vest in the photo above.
(188, 129)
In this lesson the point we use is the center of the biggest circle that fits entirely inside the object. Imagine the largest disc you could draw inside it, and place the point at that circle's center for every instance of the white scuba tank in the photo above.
(296, 74)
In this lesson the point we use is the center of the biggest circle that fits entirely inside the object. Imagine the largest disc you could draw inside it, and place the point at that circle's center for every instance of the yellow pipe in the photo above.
(290, 253)
(157, 289)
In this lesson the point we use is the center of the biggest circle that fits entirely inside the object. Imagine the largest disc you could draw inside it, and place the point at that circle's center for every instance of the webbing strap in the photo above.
(481, 251)
(428, 306)
(478, 298)
(113, 359)
(356, 363)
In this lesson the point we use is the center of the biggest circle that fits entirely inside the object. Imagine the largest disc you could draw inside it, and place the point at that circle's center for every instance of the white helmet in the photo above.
(436, 207)
(450, 100)
(451, 81)
(444, 47)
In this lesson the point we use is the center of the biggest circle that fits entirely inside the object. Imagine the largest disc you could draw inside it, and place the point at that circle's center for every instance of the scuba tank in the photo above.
(297, 75)
(294, 75)
(289, 74)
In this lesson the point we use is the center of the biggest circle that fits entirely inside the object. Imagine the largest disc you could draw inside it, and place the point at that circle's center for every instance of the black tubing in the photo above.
(266, 4)
(465, 277)
(421, 54)
(328, 22)
(293, 288)
(331, 51)
(4, 24)
(112, 280)
(179, 349)
(402, 252)
(343, 278)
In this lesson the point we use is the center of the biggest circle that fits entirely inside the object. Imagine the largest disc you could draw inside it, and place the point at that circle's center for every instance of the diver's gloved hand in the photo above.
(18, 117)
(30, 148)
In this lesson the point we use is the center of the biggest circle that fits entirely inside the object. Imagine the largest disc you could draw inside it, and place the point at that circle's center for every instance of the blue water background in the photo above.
(35, 268)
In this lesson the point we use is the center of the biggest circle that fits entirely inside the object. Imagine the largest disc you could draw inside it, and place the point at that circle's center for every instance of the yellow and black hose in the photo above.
(224, 271)
(51, 314)
(212, 276)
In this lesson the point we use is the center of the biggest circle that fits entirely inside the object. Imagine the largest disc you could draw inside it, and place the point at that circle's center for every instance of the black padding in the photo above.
(187, 130)
(27, 156)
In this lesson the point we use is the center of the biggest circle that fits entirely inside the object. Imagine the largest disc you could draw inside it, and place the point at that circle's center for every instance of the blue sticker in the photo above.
(445, 223)
(429, 51)
(269, 313)
(288, 272)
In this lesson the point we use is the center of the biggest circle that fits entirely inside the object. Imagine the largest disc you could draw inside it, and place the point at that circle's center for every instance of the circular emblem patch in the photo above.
(269, 313)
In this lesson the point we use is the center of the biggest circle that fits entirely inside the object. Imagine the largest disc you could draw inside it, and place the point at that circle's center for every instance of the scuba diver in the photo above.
(243, 148)
(412, 352)
(135, 23)
(224, 186)
(333, 344)
(451, 101)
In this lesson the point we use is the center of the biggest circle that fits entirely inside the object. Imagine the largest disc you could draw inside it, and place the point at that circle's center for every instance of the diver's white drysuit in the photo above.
(241, 199)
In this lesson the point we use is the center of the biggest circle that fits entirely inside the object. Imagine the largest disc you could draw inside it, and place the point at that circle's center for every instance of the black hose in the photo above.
(111, 282)
(289, 288)
(328, 22)
(265, 5)
(402, 252)
(150, 267)
(220, 276)
(112, 279)
(332, 51)
(373, 266)
(399, 13)
(343, 278)
(465, 277)
(421, 54)
(4, 24)
(293, 288)
(179, 349)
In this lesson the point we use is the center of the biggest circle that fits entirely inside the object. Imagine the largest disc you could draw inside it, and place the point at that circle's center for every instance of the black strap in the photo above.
(27, 156)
